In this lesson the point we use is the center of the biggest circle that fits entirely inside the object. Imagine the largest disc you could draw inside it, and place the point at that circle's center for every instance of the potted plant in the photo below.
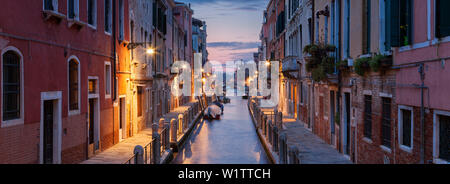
(342, 65)
(361, 66)
(318, 62)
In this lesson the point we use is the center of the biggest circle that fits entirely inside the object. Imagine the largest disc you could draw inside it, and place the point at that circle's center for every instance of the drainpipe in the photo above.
(313, 20)
(114, 61)
(339, 93)
(422, 113)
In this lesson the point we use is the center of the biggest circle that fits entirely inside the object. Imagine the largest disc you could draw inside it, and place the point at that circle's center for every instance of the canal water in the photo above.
(230, 140)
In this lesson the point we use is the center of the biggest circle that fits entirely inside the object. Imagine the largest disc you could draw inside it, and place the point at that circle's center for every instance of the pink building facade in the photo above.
(423, 93)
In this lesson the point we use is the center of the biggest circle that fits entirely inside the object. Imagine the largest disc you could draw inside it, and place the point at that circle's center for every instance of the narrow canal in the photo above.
(231, 140)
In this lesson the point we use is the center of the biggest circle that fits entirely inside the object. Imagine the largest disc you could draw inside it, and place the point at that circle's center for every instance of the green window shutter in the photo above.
(442, 18)
(387, 14)
(394, 19)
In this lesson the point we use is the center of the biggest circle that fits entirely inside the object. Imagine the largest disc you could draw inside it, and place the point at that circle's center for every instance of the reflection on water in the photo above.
(231, 140)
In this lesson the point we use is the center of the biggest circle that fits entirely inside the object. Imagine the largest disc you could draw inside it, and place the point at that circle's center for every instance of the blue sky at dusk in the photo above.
(233, 26)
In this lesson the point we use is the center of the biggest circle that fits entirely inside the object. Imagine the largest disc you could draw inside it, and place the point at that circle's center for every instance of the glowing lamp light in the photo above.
(151, 51)
(267, 63)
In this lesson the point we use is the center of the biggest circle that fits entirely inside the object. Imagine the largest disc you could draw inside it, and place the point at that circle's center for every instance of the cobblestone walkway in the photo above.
(120, 153)
(313, 150)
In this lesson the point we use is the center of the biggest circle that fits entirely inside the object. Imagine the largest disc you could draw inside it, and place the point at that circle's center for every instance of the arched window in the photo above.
(11, 86)
(73, 85)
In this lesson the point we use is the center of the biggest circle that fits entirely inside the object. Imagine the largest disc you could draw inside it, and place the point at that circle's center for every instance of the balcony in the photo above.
(290, 64)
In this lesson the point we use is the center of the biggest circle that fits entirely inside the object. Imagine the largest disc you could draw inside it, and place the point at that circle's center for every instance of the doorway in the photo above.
(122, 119)
(50, 128)
(346, 126)
(295, 95)
(48, 132)
(93, 127)
(332, 117)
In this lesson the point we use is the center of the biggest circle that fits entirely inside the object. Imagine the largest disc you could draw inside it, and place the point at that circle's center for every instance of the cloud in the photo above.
(234, 45)
(246, 5)
(246, 56)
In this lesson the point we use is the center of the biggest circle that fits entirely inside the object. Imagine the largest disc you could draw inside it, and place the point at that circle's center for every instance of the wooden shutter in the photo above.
(394, 20)
(442, 16)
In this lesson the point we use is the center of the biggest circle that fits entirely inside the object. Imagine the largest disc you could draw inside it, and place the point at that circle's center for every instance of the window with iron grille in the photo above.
(11, 86)
(73, 85)
(386, 123)
(444, 138)
(368, 116)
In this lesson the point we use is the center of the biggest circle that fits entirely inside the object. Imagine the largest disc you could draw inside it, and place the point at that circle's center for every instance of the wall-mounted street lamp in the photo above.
(132, 46)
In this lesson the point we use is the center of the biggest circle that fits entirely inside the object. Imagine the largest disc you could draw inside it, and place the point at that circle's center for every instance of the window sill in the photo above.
(440, 161)
(108, 96)
(386, 149)
(440, 40)
(94, 27)
(414, 46)
(51, 14)
(12, 123)
(74, 112)
(76, 23)
(367, 140)
(108, 33)
(406, 148)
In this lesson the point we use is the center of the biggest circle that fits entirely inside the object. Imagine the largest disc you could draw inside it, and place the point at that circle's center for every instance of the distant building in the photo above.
(199, 36)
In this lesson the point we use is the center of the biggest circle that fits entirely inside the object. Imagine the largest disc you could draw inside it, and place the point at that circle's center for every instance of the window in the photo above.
(442, 21)
(280, 23)
(11, 86)
(121, 20)
(73, 9)
(108, 16)
(405, 127)
(73, 85)
(366, 26)
(386, 123)
(92, 86)
(444, 137)
(108, 79)
(310, 26)
(51, 5)
(400, 22)
(139, 101)
(368, 116)
(92, 12)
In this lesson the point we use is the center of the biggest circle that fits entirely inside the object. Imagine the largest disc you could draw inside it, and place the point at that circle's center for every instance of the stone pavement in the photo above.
(121, 152)
(313, 150)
